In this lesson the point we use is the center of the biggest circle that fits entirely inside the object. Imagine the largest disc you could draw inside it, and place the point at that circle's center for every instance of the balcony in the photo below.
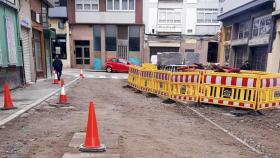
(238, 42)
(110, 17)
(260, 40)
(165, 28)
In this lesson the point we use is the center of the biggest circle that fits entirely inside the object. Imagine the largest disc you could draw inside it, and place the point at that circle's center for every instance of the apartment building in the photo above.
(184, 26)
(102, 29)
(246, 32)
(58, 21)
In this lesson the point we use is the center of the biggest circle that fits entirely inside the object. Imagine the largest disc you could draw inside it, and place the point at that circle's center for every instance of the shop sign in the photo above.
(25, 22)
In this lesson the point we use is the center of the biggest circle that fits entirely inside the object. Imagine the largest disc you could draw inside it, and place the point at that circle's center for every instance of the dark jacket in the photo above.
(246, 67)
(57, 65)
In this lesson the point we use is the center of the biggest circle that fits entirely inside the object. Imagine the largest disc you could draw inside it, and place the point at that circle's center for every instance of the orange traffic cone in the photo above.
(82, 73)
(55, 80)
(8, 103)
(63, 97)
(92, 143)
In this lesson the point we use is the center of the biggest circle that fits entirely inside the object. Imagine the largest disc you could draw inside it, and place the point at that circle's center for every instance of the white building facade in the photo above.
(182, 26)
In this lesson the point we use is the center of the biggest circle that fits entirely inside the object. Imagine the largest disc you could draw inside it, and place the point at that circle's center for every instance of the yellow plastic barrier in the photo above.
(146, 80)
(149, 66)
(249, 89)
(269, 91)
(185, 86)
(133, 76)
(161, 83)
(229, 89)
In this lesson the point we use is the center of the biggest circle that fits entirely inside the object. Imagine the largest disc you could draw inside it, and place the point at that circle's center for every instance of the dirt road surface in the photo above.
(134, 126)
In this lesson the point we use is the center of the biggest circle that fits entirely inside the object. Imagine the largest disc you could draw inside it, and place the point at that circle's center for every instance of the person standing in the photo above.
(57, 65)
(246, 66)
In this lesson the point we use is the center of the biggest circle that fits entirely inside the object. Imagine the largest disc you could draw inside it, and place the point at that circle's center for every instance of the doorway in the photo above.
(38, 53)
(259, 58)
(82, 54)
(212, 56)
(122, 42)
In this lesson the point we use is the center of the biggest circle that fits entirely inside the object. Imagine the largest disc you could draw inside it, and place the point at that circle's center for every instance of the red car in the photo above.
(117, 65)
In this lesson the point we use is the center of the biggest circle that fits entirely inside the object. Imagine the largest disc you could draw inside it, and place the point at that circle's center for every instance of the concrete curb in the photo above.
(30, 106)
(89, 70)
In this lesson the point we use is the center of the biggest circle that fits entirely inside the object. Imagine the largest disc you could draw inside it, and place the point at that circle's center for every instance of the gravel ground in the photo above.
(260, 131)
(142, 127)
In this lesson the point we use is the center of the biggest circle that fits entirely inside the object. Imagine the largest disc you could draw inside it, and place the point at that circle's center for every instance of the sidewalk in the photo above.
(26, 98)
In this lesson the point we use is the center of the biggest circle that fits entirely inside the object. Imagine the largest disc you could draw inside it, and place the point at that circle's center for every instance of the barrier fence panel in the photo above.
(269, 91)
(248, 89)
(149, 66)
(146, 80)
(185, 86)
(161, 83)
(133, 76)
(229, 89)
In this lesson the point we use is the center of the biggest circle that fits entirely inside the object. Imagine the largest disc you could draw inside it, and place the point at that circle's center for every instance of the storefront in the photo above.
(49, 36)
(11, 67)
(93, 46)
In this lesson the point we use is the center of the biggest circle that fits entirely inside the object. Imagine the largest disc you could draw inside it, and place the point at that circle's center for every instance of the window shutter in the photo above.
(12, 53)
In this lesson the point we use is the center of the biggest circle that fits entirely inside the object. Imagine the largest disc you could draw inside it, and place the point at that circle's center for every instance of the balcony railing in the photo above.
(169, 28)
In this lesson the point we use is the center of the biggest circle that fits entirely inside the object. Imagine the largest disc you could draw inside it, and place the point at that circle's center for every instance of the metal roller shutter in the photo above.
(26, 53)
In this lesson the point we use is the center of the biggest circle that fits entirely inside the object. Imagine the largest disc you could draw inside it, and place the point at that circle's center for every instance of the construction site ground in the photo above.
(134, 125)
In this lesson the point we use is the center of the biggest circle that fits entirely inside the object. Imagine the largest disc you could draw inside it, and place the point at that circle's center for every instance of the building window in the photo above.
(207, 15)
(243, 30)
(111, 38)
(60, 3)
(261, 26)
(169, 16)
(44, 16)
(228, 33)
(134, 38)
(227, 52)
(97, 37)
(61, 25)
(87, 5)
(56, 3)
(123, 5)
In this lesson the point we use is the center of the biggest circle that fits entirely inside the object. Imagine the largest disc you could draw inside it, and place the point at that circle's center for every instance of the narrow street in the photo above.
(133, 125)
